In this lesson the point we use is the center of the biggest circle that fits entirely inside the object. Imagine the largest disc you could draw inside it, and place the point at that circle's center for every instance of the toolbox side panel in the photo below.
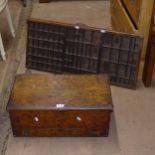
(60, 123)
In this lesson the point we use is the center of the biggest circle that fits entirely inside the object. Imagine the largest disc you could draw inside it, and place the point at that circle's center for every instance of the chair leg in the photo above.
(7, 13)
(2, 52)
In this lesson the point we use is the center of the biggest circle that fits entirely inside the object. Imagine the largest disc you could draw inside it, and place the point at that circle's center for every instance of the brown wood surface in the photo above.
(87, 105)
(48, 132)
(133, 8)
(149, 65)
(60, 123)
(120, 20)
(90, 119)
(45, 91)
(150, 54)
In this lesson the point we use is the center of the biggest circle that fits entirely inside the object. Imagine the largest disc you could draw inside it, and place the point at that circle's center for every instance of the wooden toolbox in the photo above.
(60, 105)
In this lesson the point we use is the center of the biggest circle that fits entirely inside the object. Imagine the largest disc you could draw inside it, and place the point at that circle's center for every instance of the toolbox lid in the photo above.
(61, 92)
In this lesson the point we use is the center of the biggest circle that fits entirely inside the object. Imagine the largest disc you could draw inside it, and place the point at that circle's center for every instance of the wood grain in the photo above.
(134, 9)
(86, 101)
(45, 91)
(150, 54)
(120, 20)
(60, 123)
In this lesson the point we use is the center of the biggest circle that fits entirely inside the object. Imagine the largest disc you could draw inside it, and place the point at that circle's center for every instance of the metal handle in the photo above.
(78, 118)
(36, 119)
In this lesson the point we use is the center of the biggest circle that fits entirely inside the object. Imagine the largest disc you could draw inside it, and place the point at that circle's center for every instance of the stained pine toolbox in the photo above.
(60, 105)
